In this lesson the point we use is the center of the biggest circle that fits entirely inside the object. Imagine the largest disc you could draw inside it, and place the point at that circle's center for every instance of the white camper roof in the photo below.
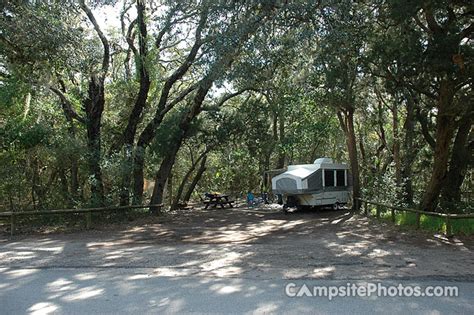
(300, 172)
(318, 163)
(323, 161)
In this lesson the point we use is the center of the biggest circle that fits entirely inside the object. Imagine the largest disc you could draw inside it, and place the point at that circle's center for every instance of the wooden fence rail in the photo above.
(446, 216)
(87, 211)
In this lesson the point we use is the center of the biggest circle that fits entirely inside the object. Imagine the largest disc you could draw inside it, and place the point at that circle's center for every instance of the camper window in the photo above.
(340, 178)
(328, 178)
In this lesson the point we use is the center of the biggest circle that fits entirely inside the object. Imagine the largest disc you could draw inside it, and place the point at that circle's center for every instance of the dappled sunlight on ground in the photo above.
(43, 308)
(259, 243)
(228, 254)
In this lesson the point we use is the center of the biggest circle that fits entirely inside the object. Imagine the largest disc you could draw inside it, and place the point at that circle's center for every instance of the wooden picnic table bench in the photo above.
(218, 200)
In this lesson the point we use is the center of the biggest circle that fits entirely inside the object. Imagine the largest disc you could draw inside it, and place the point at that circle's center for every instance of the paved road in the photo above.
(137, 291)
(230, 262)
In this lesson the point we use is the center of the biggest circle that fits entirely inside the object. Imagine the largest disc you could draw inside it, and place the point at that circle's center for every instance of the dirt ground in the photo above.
(260, 243)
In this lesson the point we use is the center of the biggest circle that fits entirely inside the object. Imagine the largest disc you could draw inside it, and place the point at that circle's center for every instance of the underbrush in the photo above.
(69, 222)
(428, 223)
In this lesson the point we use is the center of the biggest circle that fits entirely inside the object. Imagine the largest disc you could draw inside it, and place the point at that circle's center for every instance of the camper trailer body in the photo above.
(322, 183)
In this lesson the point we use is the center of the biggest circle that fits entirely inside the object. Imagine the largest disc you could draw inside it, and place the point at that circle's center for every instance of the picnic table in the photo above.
(215, 200)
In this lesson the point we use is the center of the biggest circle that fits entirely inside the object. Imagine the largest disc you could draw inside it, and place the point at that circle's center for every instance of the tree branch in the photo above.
(227, 97)
(430, 19)
(103, 39)
(425, 129)
(420, 24)
(67, 105)
(149, 131)
(165, 29)
(131, 37)
(467, 32)
(178, 99)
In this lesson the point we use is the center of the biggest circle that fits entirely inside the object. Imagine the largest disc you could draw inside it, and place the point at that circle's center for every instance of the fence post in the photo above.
(418, 220)
(449, 227)
(377, 211)
(366, 208)
(88, 219)
(393, 215)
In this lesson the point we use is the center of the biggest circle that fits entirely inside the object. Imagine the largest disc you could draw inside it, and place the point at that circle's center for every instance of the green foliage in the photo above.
(12, 91)
(39, 35)
(429, 223)
(24, 135)
(299, 65)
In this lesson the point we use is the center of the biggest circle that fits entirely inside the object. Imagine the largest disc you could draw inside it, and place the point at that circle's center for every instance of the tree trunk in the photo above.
(138, 179)
(346, 120)
(75, 180)
(64, 187)
(409, 154)
(167, 164)
(125, 174)
(444, 134)
(169, 187)
(141, 55)
(34, 183)
(181, 186)
(425, 128)
(162, 176)
(461, 158)
(94, 106)
(69, 114)
(163, 107)
(199, 173)
(129, 134)
(362, 149)
(185, 180)
(281, 132)
(265, 176)
(396, 145)
(222, 64)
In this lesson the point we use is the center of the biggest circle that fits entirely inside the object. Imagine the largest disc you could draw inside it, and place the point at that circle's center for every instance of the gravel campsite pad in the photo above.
(258, 243)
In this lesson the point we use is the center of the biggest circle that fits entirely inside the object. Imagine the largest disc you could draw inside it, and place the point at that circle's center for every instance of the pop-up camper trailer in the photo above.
(322, 183)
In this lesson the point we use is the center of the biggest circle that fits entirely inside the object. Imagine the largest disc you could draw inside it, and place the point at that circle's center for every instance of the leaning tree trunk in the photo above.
(461, 158)
(180, 190)
(184, 126)
(222, 64)
(196, 179)
(346, 120)
(162, 176)
(444, 134)
(148, 133)
(185, 179)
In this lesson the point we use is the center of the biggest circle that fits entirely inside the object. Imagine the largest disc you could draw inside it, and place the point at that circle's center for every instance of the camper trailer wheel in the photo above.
(336, 206)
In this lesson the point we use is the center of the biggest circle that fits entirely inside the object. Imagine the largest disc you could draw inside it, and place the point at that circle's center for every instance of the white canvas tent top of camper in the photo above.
(323, 174)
